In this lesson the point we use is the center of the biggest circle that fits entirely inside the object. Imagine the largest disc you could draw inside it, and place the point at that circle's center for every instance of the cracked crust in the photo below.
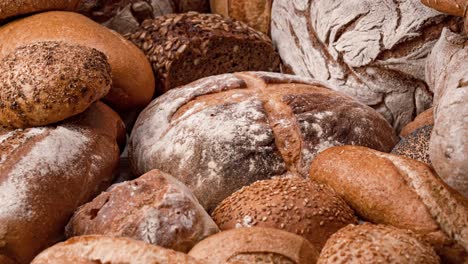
(372, 50)
(227, 131)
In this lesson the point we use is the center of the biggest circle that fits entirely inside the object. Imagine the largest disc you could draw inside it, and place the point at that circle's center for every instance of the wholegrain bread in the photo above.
(415, 145)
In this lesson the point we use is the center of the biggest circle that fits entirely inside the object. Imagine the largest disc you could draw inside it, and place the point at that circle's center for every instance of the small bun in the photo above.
(415, 145)
(255, 246)
(104, 249)
(293, 204)
(46, 82)
(369, 243)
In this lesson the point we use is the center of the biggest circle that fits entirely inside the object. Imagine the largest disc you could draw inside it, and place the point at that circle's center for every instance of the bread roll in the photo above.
(293, 204)
(132, 77)
(46, 82)
(11, 8)
(376, 244)
(447, 75)
(112, 250)
(415, 145)
(45, 174)
(186, 47)
(426, 118)
(451, 7)
(373, 50)
(227, 131)
(255, 13)
(155, 208)
(255, 245)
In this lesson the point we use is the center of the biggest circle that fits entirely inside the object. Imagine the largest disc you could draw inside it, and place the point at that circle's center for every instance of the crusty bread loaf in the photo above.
(132, 77)
(255, 13)
(224, 132)
(186, 47)
(46, 82)
(373, 50)
(291, 203)
(426, 118)
(11, 8)
(447, 75)
(394, 190)
(451, 7)
(46, 173)
(369, 243)
(112, 250)
(255, 245)
(415, 145)
(155, 208)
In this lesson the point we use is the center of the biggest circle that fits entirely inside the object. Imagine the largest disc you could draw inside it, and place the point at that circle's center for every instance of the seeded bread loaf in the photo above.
(46, 82)
(132, 78)
(447, 75)
(426, 118)
(224, 132)
(46, 173)
(111, 250)
(186, 47)
(373, 50)
(415, 145)
(451, 7)
(155, 208)
(291, 203)
(255, 245)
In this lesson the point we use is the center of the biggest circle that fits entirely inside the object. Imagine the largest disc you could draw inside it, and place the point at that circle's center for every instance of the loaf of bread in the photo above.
(11, 8)
(447, 75)
(47, 172)
(255, 13)
(113, 250)
(426, 118)
(451, 7)
(255, 245)
(155, 208)
(46, 82)
(224, 132)
(369, 243)
(415, 145)
(186, 47)
(291, 203)
(132, 77)
(373, 50)
(394, 190)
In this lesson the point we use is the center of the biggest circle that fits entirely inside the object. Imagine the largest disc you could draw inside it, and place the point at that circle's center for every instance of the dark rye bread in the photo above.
(46, 82)
(226, 131)
(373, 50)
(415, 145)
(186, 47)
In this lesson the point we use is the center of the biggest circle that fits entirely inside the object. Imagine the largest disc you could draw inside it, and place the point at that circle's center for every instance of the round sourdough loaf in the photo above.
(155, 208)
(415, 145)
(224, 132)
(255, 13)
(373, 50)
(132, 77)
(426, 118)
(255, 245)
(110, 250)
(451, 7)
(186, 47)
(369, 243)
(291, 203)
(47, 172)
(447, 75)
(46, 82)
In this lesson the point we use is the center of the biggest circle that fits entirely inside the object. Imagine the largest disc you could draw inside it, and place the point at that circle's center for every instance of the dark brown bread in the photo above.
(369, 243)
(426, 118)
(415, 145)
(255, 245)
(186, 47)
(183, 6)
(290, 203)
(46, 82)
(155, 208)
(11, 8)
(46, 173)
(224, 132)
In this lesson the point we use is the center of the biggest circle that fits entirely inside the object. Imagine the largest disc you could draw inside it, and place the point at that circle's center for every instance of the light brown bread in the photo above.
(415, 145)
(369, 243)
(46, 82)
(292, 204)
(155, 208)
(132, 77)
(255, 245)
(451, 7)
(425, 118)
(110, 250)
(46, 173)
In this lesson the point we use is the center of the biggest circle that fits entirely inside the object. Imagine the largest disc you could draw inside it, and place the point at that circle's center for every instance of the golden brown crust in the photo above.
(226, 246)
(451, 7)
(11, 8)
(132, 77)
(423, 119)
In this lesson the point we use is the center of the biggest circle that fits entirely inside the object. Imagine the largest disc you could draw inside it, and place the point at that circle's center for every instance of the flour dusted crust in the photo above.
(155, 208)
(373, 50)
(227, 131)
(447, 75)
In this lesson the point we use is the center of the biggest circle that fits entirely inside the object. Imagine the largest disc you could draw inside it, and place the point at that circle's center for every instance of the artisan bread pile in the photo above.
(259, 131)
